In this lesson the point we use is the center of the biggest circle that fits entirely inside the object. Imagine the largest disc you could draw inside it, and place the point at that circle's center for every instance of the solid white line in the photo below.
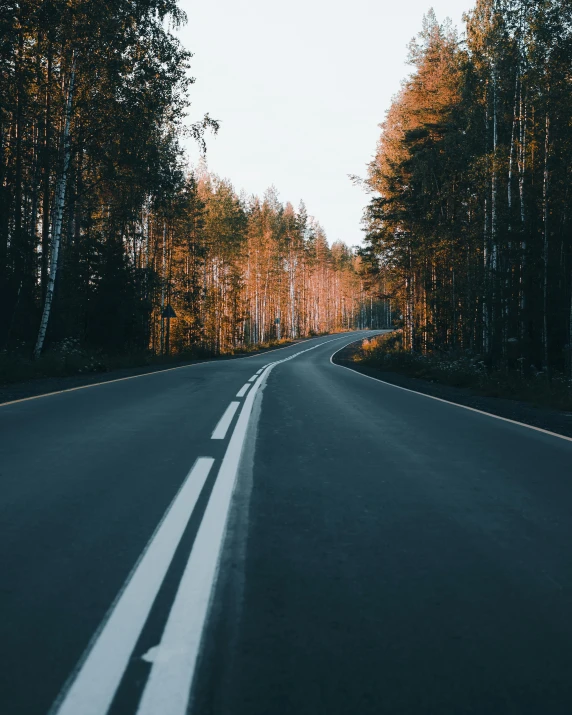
(448, 402)
(168, 687)
(243, 390)
(224, 423)
(94, 684)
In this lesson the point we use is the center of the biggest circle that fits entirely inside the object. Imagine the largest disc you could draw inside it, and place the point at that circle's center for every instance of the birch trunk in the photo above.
(163, 264)
(46, 168)
(545, 246)
(494, 248)
(522, 118)
(58, 217)
(570, 330)
(485, 305)
(511, 151)
(521, 171)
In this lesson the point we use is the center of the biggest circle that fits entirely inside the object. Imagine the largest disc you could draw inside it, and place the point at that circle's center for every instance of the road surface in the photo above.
(280, 535)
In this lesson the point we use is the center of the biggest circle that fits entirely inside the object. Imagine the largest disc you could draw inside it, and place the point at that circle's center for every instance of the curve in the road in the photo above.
(449, 402)
(92, 687)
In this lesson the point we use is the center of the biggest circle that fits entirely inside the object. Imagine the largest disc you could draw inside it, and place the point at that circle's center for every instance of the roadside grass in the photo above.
(69, 358)
(464, 370)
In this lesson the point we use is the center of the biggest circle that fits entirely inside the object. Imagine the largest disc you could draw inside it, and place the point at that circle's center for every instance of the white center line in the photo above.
(168, 687)
(224, 423)
(243, 390)
(92, 686)
(169, 684)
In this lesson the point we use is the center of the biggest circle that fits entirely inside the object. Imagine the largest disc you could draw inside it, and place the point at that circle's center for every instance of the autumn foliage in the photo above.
(469, 220)
(101, 223)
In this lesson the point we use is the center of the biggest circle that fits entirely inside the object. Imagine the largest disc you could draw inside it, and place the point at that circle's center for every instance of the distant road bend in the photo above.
(280, 535)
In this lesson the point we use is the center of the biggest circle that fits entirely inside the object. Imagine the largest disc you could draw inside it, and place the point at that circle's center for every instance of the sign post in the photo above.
(168, 313)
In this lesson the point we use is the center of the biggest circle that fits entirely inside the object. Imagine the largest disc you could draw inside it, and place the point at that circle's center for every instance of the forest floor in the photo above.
(17, 381)
(530, 411)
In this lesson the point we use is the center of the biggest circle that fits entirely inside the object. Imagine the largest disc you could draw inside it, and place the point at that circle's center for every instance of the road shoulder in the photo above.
(46, 385)
(551, 420)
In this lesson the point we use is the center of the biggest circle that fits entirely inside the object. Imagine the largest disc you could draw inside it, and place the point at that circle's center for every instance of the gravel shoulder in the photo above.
(552, 420)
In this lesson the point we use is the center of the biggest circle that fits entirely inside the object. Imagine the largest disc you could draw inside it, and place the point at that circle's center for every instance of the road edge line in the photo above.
(447, 402)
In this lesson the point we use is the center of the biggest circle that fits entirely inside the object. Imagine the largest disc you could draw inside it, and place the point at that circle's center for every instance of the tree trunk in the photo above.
(58, 217)
(46, 178)
(163, 269)
(545, 246)
(511, 149)
(570, 330)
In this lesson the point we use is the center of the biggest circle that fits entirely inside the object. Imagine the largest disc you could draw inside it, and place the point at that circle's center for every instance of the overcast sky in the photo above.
(300, 89)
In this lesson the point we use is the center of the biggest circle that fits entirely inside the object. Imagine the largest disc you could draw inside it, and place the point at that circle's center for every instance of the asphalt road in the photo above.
(340, 546)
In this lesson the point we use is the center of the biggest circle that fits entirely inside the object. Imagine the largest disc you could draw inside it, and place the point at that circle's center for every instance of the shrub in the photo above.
(463, 369)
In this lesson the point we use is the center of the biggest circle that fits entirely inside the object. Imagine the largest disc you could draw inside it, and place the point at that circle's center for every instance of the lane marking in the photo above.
(259, 371)
(224, 423)
(92, 687)
(148, 374)
(253, 378)
(168, 688)
(448, 402)
(243, 390)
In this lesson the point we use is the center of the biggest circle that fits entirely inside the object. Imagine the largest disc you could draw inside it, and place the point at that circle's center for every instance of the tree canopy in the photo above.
(101, 223)
(468, 221)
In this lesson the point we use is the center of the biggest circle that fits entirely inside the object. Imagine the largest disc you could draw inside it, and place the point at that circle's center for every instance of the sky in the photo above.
(300, 89)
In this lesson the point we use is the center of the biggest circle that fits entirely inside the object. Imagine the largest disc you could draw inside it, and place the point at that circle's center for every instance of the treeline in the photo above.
(101, 225)
(240, 272)
(469, 221)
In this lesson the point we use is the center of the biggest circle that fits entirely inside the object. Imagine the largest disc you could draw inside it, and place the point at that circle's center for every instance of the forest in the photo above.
(104, 228)
(469, 224)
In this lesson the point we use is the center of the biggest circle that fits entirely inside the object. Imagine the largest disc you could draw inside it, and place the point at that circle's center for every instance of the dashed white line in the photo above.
(168, 687)
(169, 684)
(224, 423)
(243, 390)
(253, 378)
(92, 687)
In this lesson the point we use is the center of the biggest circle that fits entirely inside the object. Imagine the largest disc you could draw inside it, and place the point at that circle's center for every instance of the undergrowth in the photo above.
(68, 358)
(467, 371)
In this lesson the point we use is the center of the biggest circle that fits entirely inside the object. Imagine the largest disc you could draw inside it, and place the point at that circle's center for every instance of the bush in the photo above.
(64, 358)
(463, 369)
(68, 357)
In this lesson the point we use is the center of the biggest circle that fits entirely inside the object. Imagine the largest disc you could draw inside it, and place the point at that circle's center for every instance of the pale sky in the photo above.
(300, 89)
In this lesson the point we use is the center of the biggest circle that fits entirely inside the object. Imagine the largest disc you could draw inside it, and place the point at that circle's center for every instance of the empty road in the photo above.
(280, 535)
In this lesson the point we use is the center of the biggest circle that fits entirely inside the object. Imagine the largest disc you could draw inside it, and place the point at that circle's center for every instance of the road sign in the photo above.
(168, 313)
